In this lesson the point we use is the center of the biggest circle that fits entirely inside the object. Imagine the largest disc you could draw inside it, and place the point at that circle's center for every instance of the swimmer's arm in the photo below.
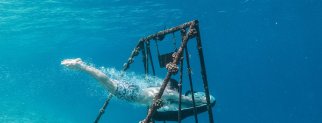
(78, 64)
(100, 76)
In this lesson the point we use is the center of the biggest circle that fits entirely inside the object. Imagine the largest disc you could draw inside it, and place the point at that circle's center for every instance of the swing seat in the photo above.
(164, 59)
(170, 112)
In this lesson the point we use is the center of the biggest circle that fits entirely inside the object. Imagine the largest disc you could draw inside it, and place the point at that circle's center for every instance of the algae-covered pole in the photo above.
(102, 110)
(180, 90)
(144, 59)
(158, 36)
(134, 53)
(203, 73)
(172, 66)
(150, 56)
(183, 34)
(161, 34)
(172, 69)
(191, 85)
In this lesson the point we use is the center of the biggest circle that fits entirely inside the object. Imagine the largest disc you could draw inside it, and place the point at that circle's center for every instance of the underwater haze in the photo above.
(263, 57)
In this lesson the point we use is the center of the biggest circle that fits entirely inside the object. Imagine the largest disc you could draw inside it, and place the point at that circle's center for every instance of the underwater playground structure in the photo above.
(173, 62)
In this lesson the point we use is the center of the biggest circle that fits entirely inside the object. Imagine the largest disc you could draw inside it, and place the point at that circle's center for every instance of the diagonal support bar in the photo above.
(102, 110)
(193, 32)
(177, 55)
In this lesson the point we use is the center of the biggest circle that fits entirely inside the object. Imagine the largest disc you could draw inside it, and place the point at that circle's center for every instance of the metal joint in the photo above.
(172, 68)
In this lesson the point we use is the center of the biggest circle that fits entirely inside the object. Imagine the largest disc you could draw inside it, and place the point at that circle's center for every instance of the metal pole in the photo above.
(203, 73)
(150, 56)
(102, 110)
(180, 90)
(191, 85)
(177, 55)
(144, 59)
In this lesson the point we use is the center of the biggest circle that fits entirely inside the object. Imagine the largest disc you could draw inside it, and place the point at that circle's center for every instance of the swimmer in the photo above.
(133, 93)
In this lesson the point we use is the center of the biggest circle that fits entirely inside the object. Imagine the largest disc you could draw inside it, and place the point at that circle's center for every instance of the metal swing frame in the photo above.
(189, 30)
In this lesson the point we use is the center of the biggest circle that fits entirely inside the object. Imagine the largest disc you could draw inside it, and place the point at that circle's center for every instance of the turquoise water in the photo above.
(263, 58)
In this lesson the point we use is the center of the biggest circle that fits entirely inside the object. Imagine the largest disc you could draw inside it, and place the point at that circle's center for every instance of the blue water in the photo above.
(263, 57)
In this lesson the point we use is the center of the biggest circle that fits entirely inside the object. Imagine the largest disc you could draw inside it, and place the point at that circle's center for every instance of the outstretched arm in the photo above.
(78, 64)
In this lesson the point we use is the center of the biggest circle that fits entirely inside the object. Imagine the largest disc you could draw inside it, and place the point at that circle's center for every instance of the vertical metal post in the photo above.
(144, 59)
(203, 73)
(191, 85)
(150, 56)
(153, 108)
(180, 90)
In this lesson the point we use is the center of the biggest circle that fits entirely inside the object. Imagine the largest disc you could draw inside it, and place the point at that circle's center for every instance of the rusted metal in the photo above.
(134, 53)
(169, 73)
(144, 59)
(150, 56)
(172, 66)
(190, 82)
(159, 35)
(156, 36)
(203, 73)
(183, 33)
(102, 110)
(180, 90)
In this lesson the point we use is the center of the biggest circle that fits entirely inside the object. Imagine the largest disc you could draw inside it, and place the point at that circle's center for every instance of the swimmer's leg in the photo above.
(186, 100)
(169, 111)
(78, 64)
(173, 96)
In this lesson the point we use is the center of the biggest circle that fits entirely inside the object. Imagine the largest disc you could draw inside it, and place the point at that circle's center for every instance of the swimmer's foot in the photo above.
(72, 63)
